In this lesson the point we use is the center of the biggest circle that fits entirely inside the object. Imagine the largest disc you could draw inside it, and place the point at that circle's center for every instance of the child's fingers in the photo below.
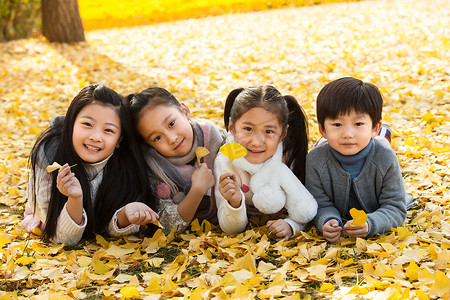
(279, 229)
(64, 170)
(269, 223)
(227, 175)
(65, 182)
(332, 226)
(203, 168)
(154, 216)
(275, 226)
(142, 217)
(138, 217)
(334, 239)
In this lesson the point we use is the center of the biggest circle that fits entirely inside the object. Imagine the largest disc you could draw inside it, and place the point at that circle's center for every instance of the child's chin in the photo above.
(255, 160)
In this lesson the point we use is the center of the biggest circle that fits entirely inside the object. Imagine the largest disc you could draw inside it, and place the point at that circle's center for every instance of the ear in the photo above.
(186, 110)
(322, 131)
(231, 127)
(118, 142)
(376, 129)
(284, 133)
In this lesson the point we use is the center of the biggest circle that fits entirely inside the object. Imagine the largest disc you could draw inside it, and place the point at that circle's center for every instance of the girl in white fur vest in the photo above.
(268, 179)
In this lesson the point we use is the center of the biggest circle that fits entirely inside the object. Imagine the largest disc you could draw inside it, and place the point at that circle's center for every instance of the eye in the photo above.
(269, 131)
(247, 128)
(157, 138)
(108, 130)
(336, 124)
(171, 123)
(87, 124)
(359, 124)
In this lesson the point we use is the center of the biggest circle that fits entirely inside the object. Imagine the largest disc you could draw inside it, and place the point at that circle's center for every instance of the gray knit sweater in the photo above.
(379, 187)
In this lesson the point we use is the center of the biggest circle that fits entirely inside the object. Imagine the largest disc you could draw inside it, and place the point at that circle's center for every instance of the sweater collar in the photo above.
(353, 163)
(93, 169)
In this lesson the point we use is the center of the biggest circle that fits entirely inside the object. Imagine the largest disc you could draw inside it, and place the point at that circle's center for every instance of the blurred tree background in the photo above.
(23, 18)
(19, 19)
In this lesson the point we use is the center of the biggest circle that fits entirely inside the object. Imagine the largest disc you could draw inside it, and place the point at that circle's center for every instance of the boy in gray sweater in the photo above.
(354, 167)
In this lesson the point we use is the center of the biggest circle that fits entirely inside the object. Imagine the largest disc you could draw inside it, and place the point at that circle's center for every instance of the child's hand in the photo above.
(356, 231)
(68, 184)
(136, 213)
(202, 178)
(280, 228)
(332, 231)
(229, 188)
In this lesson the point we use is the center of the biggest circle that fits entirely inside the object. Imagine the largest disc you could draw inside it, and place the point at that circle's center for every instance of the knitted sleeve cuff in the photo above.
(294, 225)
(67, 231)
(115, 231)
(233, 220)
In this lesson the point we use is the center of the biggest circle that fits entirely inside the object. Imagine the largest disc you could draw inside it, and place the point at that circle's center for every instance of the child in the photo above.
(100, 173)
(353, 169)
(170, 138)
(273, 129)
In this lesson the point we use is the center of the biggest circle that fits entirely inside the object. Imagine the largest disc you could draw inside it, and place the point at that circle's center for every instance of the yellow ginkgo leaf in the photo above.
(233, 151)
(25, 260)
(201, 152)
(359, 217)
(158, 224)
(36, 231)
(55, 166)
(129, 292)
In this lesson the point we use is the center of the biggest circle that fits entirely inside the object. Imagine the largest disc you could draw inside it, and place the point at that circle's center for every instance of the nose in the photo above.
(95, 136)
(257, 139)
(172, 138)
(348, 132)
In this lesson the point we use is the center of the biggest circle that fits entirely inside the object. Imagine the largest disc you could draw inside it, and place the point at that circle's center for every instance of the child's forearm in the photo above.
(188, 207)
(75, 209)
(122, 219)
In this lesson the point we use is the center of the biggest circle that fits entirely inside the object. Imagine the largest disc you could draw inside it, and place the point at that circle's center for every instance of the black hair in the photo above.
(347, 94)
(124, 180)
(148, 99)
(288, 111)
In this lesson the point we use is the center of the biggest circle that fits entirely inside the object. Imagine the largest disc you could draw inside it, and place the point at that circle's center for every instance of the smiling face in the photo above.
(259, 132)
(350, 133)
(96, 132)
(167, 129)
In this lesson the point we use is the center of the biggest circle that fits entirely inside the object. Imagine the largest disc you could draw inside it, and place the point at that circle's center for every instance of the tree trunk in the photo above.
(61, 21)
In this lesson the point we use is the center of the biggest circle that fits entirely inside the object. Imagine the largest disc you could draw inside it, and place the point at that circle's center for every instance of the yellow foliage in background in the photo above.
(101, 14)
(401, 46)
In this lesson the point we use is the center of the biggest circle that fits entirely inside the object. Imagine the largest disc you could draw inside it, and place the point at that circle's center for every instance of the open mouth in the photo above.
(92, 148)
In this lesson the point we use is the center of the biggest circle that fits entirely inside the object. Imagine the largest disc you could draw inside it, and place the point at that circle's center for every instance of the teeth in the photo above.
(92, 148)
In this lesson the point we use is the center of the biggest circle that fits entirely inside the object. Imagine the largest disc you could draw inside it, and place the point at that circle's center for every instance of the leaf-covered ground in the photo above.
(401, 46)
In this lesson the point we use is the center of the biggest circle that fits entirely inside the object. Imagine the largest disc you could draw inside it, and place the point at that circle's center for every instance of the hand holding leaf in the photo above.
(233, 151)
(201, 152)
(55, 166)
(359, 217)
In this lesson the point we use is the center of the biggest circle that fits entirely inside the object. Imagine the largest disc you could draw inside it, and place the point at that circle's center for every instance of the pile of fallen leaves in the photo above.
(402, 46)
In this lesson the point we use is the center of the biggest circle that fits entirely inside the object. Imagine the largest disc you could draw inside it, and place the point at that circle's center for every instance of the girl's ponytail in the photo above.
(229, 104)
(296, 141)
